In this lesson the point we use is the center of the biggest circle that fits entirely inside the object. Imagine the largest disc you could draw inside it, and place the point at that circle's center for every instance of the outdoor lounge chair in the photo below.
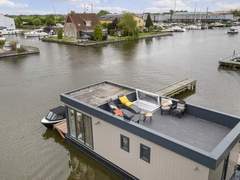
(114, 109)
(179, 109)
(120, 112)
(129, 105)
(166, 105)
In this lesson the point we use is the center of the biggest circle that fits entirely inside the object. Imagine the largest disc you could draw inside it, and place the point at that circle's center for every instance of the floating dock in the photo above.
(232, 62)
(177, 88)
(61, 128)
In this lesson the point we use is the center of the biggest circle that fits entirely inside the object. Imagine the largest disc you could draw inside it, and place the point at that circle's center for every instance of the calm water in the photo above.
(29, 86)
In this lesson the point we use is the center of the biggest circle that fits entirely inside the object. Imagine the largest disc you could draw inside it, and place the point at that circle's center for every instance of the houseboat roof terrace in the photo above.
(203, 135)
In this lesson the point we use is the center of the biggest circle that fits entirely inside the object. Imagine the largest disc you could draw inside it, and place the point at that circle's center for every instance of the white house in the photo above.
(6, 22)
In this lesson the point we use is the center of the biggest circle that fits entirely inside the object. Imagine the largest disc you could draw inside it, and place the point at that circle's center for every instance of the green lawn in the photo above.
(64, 39)
(140, 35)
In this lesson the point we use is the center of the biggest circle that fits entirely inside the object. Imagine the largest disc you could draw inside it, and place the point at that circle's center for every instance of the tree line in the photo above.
(37, 20)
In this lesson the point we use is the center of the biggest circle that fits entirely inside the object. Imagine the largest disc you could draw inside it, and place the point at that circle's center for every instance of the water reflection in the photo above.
(81, 166)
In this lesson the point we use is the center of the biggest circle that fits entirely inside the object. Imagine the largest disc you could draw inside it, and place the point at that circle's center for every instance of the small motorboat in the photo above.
(36, 33)
(233, 30)
(8, 32)
(178, 29)
(55, 115)
(193, 27)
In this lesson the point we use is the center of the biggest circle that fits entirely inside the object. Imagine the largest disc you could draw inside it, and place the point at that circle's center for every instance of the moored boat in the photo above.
(36, 33)
(54, 116)
(233, 30)
(178, 29)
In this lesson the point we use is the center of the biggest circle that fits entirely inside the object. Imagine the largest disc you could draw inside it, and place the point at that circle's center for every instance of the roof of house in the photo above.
(80, 20)
(202, 135)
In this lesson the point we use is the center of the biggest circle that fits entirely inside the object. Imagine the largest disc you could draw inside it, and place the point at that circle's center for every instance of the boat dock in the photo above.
(178, 88)
(232, 62)
(61, 128)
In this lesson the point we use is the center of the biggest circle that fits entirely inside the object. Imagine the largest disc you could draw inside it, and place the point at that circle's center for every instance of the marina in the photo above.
(36, 81)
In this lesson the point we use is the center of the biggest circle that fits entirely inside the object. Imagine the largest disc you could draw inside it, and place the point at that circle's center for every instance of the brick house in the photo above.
(80, 25)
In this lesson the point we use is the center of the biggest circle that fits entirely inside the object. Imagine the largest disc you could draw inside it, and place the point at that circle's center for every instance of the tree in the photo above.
(149, 22)
(60, 34)
(18, 22)
(102, 13)
(128, 25)
(98, 34)
(112, 27)
(50, 20)
(236, 12)
(36, 21)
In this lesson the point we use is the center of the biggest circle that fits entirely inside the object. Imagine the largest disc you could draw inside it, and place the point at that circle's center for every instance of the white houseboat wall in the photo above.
(138, 151)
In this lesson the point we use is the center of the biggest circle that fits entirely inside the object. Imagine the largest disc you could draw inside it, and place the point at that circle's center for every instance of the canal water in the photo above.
(30, 86)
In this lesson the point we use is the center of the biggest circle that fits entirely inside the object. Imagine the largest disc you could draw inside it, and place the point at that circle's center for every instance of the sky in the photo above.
(114, 6)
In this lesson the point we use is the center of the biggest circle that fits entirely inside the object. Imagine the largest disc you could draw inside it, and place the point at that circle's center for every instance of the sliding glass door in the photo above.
(71, 120)
(81, 127)
(88, 130)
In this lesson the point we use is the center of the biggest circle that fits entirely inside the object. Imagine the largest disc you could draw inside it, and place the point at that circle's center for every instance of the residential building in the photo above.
(7, 22)
(109, 18)
(190, 17)
(78, 25)
(201, 145)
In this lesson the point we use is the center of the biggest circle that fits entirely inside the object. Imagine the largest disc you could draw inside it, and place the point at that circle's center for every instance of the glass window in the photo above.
(72, 127)
(54, 117)
(82, 130)
(124, 143)
(79, 126)
(145, 153)
(49, 115)
(88, 131)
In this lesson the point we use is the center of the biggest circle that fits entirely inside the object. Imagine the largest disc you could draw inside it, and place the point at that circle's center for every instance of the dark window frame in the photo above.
(122, 146)
(146, 156)
(82, 141)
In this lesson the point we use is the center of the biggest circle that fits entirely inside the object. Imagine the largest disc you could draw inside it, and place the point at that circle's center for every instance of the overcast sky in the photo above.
(138, 6)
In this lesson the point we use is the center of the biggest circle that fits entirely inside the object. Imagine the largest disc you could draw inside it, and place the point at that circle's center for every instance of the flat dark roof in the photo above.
(196, 132)
(99, 94)
(202, 135)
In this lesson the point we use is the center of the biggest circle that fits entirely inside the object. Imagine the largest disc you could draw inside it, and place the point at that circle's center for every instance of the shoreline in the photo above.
(93, 43)
(28, 51)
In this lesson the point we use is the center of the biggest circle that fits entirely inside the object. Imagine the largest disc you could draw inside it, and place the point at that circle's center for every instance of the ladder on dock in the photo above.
(178, 88)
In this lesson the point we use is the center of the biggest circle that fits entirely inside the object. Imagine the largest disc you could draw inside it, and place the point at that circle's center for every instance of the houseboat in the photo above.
(141, 135)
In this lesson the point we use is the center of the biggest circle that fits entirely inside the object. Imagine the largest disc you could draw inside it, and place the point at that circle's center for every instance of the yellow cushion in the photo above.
(124, 100)
(129, 104)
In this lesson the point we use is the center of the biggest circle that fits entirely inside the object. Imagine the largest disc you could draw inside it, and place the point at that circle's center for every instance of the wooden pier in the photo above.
(232, 62)
(61, 128)
(177, 88)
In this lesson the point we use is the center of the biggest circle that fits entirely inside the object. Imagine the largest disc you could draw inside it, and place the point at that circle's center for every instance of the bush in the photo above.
(98, 34)
(2, 42)
(60, 34)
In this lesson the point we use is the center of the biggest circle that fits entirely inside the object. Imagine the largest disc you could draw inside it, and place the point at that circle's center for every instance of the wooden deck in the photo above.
(178, 88)
(61, 128)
